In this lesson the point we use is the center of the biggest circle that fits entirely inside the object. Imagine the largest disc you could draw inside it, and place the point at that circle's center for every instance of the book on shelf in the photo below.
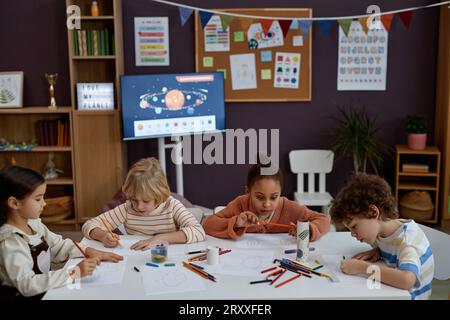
(93, 43)
(415, 168)
(53, 132)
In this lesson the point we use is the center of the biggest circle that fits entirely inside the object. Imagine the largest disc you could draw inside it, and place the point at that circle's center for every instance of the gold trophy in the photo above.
(51, 78)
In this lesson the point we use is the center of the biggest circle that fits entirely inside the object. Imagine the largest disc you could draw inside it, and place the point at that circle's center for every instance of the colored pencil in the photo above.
(201, 273)
(267, 270)
(290, 251)
(136, 269)
(197, 266)
(152, 265)
(293, 269)
(108, 228)
(278, 277)
(288, 280)
(309, 269)
(276, 224)
(81, 250)
(275, 273)
(260, 281)
(195, 252)
(318, 267)
(203, 256)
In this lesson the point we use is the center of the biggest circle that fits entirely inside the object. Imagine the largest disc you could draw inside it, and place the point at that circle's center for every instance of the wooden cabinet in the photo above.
(21, 125)
(442, 121)
(418, 171)
(98, 148)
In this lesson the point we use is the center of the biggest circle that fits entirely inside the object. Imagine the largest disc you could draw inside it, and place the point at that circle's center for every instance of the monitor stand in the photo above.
(162, 146)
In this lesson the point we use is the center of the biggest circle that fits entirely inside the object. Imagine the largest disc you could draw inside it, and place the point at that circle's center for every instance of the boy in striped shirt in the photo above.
(149, 210)
(367, 208)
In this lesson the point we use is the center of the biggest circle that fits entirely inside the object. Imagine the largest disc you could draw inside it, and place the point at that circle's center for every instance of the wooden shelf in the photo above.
(429, 150)
(93, 57)
(411, 174)
(35, 110)
(94, 112)
(97, 18)
(60, 181)
(416, 186)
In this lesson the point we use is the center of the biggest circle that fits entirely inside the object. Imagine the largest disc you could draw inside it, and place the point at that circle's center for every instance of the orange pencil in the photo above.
(276, 224)
(109, 230)
(288, 280)
(81, 250)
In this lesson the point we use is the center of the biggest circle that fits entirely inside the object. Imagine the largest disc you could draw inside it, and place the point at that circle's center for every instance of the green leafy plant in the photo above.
(355, 135)
(416, 124)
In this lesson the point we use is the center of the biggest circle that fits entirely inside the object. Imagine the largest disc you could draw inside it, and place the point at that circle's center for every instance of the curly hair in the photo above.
(360, 192)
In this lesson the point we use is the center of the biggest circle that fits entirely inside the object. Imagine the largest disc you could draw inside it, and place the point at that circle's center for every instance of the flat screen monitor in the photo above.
(161, 105)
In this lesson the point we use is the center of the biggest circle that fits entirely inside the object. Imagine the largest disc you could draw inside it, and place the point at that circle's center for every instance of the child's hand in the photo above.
(102, 255)
(110, 241)
(142, 245)
(246, 219)
(354, 266)
(293, 230)
(370, 256)
(87, 266)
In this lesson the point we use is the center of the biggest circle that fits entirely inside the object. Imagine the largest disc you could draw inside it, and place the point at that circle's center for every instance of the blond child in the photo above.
(263, 203)
(368, 209)
(149, 210)
(27, 247)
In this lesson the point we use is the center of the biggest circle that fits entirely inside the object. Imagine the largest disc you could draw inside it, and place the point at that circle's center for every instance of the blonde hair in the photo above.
(146, 181)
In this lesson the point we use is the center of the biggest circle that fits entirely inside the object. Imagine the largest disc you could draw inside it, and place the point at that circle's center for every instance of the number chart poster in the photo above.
(362, 59)
(151, 41)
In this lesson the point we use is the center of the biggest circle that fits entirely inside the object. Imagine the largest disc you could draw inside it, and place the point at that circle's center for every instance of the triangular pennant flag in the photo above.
(387, 21)
(345, 25)
(285, 24)
(226, 20)
(304, 26)
(294, 25)
(245, 23)
(205, 17)
(363, 21)
(185, 13)
(266, 24)
(325, 27)
(406, 17)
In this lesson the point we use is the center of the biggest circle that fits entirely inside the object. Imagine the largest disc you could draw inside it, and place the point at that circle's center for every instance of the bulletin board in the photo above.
(207, 61)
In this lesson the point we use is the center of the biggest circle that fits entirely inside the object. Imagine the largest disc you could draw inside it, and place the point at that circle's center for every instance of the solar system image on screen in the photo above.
(172, 104)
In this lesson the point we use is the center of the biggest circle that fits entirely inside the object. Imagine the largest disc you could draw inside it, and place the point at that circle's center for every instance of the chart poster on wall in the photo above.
(362, 58)
(287, 70)
(151, 39)
(216, 38)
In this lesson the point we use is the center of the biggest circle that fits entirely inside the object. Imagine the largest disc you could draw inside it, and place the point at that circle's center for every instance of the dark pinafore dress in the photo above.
(41, 264)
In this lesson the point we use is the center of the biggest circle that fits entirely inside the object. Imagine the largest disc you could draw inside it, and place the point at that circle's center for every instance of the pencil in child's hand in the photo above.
(109, 229)
(79, 248)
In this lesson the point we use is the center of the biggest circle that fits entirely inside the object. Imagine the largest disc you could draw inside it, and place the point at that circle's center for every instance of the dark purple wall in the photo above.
(34, 40)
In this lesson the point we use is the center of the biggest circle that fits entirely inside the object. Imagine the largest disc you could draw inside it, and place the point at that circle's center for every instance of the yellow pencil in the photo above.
(109, 229)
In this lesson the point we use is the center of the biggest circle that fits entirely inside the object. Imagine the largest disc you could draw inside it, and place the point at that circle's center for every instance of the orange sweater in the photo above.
(222, 224)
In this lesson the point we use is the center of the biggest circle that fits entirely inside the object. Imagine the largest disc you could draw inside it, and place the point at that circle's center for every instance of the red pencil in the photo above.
(267, 270)
(276, 224)
(278, 277)
(79, 248)
(288, 280)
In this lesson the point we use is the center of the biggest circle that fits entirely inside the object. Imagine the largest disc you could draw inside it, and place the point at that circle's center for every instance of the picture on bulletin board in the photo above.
(258, 65)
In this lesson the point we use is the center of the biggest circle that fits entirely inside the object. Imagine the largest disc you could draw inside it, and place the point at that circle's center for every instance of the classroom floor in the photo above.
(441, 289)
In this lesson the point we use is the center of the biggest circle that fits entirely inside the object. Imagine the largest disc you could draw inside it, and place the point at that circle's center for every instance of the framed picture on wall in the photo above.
(11, 89)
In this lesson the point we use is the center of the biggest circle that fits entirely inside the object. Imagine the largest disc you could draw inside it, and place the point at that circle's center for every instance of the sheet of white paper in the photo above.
(265, 240)
(171, 280)
(273, 38)
(332, 265)
(243, 262)
(106, 273)
(215, 38)
(243, 71)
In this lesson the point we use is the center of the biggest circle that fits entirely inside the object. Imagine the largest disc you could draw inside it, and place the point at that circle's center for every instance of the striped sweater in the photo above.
(169, 216)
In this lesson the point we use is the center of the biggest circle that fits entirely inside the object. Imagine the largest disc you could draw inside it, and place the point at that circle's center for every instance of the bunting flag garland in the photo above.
(363, 21)
(226, 21)
(386, 19)
(406, 18)
(285, 26)
(185, 14)
(325, 27)
(205, 17)
(345, 25)
(305, 25)
(266, 24)
(294, 25)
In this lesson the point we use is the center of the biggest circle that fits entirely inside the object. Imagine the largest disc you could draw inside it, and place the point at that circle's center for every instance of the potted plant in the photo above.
(416, 126)
(355, 135)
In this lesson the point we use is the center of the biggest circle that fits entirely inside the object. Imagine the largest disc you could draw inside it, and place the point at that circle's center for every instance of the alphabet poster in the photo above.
(362, 59)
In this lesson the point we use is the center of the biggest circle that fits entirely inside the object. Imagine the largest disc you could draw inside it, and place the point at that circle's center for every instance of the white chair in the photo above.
(312, 162)
(440, 243)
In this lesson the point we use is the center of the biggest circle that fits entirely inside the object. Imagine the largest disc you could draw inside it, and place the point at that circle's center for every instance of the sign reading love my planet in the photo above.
(362, 59)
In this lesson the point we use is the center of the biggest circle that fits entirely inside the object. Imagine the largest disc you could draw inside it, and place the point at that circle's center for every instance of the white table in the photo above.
(238, 287)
